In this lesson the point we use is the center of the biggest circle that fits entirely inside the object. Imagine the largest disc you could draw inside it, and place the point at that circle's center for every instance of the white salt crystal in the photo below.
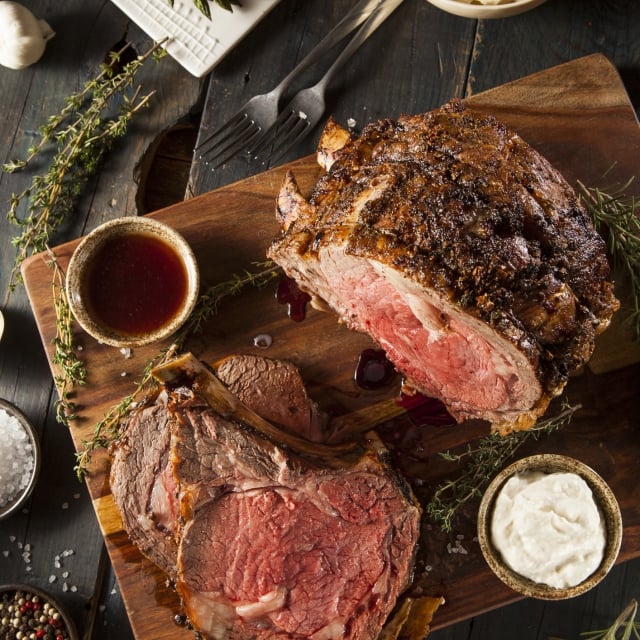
(16, 458)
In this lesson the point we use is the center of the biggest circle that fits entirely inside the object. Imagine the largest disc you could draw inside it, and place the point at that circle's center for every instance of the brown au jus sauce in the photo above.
(136, 284)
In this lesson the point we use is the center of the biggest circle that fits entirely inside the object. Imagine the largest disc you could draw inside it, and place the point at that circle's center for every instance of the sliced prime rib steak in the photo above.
(143, 478)
(461, 251)
(276, 537)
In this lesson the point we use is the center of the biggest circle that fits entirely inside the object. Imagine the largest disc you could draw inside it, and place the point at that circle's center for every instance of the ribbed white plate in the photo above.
(196, 42)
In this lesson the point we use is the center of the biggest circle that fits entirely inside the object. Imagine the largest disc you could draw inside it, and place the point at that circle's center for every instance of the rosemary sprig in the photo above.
(108, 428)
(617, 218)
(80, 136)
(482, 462)
(625, 622)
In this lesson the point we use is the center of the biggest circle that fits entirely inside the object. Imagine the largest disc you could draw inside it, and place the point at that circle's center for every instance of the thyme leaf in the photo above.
(617, 218)
(482, 461)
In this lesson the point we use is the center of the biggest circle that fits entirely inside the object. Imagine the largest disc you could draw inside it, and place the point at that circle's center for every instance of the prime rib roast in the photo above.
(265, 534)
(463, 253)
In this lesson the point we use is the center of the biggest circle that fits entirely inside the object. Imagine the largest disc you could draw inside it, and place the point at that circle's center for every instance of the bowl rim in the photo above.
(92, 241)
(607, 505)
(12, 507)
(480, 11)
(41, 593)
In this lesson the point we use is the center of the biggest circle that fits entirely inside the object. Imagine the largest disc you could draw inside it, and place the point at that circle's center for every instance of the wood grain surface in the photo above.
(579, 116)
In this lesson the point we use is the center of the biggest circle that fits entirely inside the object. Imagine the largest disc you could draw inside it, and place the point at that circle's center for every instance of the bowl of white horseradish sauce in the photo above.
(549, 527)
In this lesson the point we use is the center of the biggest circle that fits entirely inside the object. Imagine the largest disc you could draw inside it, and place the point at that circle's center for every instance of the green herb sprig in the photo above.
(625, 624)
(482, 462)
(617, 218)
(108, 429)
(73, 371)
(77, 137)
(205, 9)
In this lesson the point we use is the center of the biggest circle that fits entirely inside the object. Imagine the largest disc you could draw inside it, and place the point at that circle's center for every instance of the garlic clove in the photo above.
(22, 36)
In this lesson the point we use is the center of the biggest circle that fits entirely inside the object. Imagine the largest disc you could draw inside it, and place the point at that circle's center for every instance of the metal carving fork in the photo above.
(258, 114)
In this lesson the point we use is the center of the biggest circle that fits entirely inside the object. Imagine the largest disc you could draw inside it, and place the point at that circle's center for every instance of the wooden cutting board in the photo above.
(579, 116)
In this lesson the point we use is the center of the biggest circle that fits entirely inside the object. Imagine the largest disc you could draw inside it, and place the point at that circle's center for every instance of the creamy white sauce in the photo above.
(547, 527)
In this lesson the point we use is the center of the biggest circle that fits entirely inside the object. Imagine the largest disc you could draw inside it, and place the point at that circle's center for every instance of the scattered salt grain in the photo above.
(351, 123)
(263, 341)
(126, 352)
(65, 505)
(16, 458)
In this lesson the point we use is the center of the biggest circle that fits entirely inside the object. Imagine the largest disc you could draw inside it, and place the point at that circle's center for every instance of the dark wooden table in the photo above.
(420, 58)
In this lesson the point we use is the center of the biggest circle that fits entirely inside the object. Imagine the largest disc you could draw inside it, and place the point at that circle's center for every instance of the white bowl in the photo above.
(482, 11)
(607, 505)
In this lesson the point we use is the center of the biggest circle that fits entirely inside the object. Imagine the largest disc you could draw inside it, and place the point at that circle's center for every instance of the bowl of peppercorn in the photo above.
(29, 612)
(19, 459)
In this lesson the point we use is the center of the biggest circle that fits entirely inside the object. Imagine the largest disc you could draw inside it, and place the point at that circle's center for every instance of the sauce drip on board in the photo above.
(374, 371)
(136, 284)
(423, 410)
(296, 300)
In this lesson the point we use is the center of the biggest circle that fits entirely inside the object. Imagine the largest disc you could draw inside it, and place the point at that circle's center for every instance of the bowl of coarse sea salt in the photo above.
(19, 459)
(549, 527)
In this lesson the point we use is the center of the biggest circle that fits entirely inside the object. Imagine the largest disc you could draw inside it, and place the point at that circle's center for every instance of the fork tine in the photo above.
(268, 137)
(298, 132)
(224, 153)
(224, 130)
(243, 133)
(280, 139)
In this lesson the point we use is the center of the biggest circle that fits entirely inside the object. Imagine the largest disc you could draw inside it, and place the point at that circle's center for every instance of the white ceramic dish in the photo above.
(607, 504)
(196, 42)
(483, 11)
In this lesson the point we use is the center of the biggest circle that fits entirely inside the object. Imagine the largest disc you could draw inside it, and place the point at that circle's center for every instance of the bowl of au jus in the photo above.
(486, 9)
(19, 459)
(132, 281)
(549, 527)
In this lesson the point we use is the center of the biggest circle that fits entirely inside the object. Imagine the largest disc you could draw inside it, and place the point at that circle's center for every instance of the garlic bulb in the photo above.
(22, 36)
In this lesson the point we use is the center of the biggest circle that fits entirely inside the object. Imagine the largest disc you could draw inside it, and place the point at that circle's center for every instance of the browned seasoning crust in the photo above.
(467, 208)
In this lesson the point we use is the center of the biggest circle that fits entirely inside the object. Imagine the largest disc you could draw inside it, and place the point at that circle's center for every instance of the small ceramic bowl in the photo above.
(64, 625)
(19, 500)
(607, 505)
(132, 281)
(474, 9)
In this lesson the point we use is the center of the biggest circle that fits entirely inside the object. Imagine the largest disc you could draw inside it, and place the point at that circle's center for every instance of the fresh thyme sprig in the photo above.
(73, 371)
(617, 218)
(108, 428)
(482, 461)
(79, 135)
